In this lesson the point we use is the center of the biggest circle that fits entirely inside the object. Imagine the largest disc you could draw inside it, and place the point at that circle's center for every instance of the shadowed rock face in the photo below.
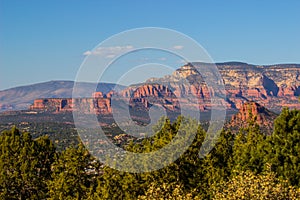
(271, 86)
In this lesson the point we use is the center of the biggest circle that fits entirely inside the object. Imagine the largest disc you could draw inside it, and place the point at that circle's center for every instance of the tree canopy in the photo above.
(244, 165)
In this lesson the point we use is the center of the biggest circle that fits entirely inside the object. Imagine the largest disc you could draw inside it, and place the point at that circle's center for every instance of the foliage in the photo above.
(247, 185)
(246, 165)
(167, 191)
(284, 145)
(25, 165)
(71, 174)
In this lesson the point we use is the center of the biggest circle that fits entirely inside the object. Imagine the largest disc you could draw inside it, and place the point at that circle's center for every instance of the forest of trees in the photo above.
(244, 165)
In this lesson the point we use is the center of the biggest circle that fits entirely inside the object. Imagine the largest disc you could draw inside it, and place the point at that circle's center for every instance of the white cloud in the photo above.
(178, 47)
(87, 53)
(109, 52)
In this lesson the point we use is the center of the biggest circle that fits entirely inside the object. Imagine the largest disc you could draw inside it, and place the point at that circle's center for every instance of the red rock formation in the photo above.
(38, 104)
(271, 86)
(252, 111)
(53, 104)
(160, 94)
(98, 105)
(147, 90)
(103, 106)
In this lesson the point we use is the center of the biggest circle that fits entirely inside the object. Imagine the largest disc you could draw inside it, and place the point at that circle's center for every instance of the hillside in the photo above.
(22, 97)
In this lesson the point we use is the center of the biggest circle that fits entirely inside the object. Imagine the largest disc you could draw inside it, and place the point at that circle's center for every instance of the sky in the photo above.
(49, 40)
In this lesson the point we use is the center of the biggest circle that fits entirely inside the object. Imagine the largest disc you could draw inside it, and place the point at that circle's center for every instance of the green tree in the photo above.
(72, 176)
(114, 184)
(284, 150)
(217, 164)
(250, 148)
(24, 165)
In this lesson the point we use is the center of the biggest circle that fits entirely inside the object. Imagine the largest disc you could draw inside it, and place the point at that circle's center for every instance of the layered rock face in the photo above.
(52, 104)
(271, 86)
(98, 105)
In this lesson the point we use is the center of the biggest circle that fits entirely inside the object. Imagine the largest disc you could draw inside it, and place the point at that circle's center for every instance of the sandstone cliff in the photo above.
(253, 111)
(271, 86)
(98, 105)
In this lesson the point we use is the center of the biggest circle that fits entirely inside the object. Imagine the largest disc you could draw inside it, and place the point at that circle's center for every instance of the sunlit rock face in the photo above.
(271, 86)
(252, 112)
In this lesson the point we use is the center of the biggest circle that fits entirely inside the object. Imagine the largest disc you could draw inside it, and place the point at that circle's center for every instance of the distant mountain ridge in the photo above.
(272, 86)
(22, 97)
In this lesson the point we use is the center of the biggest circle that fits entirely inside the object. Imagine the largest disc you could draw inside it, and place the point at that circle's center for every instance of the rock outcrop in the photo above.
(52, 104)
(253, 112)
(20, 98)
(271, 86)
(98, 105)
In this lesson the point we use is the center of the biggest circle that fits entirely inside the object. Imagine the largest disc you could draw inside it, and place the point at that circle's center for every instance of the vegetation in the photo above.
(248, 185)
(245, 165)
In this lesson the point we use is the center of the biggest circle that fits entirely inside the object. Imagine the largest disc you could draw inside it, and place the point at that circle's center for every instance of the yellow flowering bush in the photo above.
(167, 191)
(247, 185)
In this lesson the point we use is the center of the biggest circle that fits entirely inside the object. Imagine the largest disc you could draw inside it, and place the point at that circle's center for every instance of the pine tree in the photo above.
(72, 174)
(250, 148)
(24, 165)
(284, 152)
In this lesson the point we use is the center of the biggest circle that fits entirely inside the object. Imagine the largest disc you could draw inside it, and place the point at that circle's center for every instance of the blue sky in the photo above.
(45, 40)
